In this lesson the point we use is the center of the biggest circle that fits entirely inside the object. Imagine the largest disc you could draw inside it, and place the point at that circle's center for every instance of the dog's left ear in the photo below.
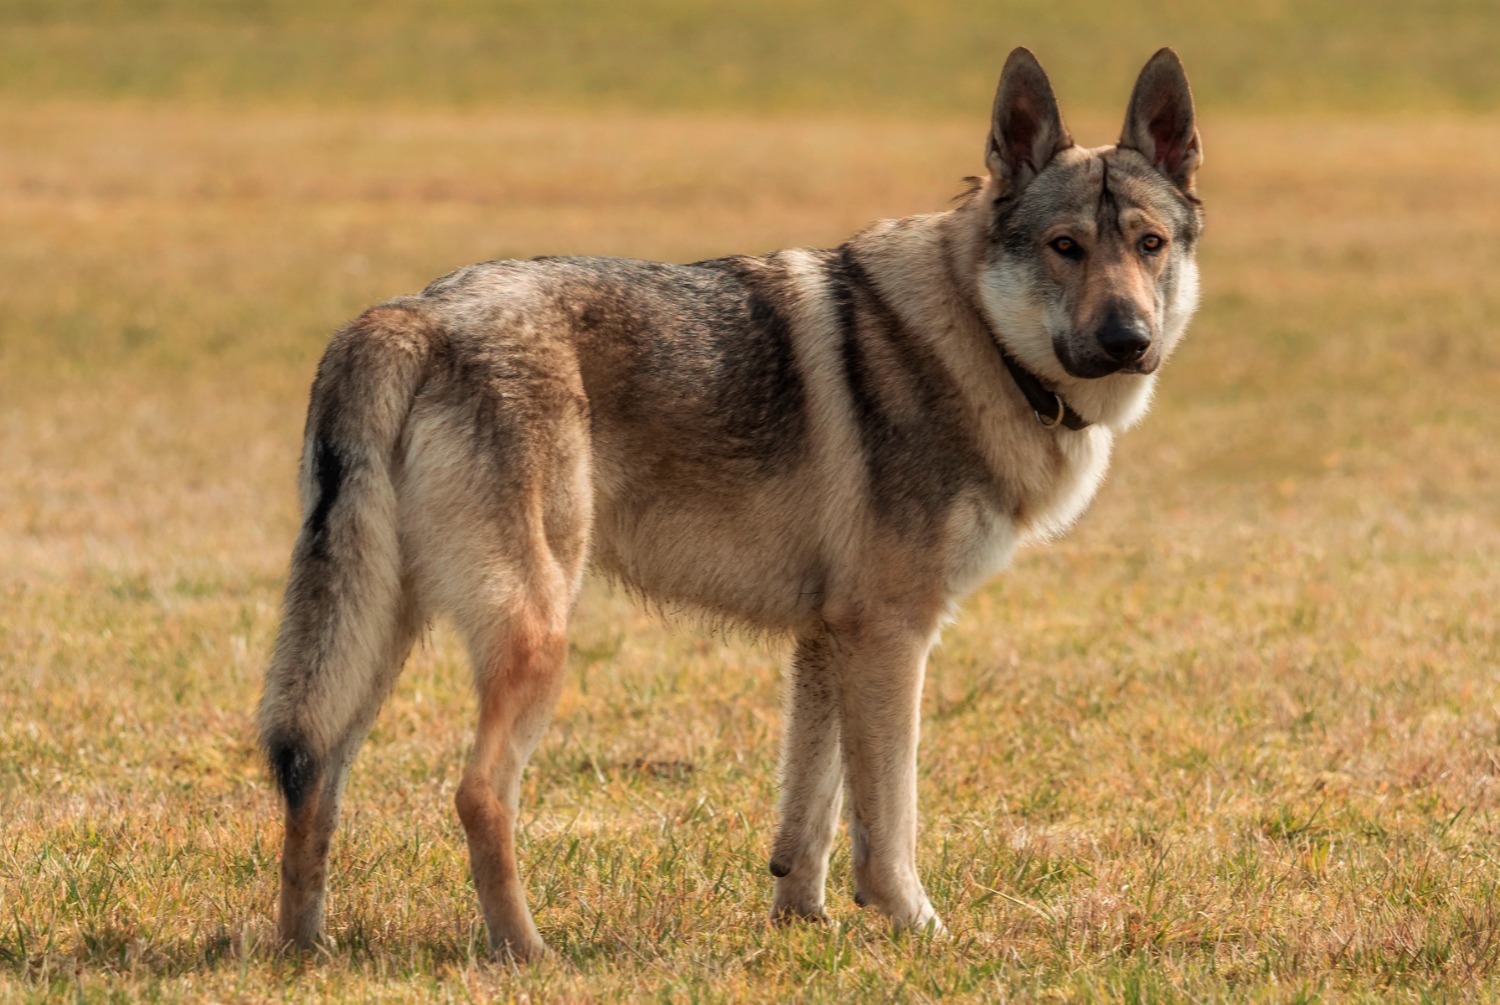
(1160, 124)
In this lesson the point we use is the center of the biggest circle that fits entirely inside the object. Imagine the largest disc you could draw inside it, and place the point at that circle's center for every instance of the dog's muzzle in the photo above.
(1122, 344)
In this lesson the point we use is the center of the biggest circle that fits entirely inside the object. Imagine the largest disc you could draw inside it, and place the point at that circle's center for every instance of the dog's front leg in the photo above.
(811, 782)
(880, 669)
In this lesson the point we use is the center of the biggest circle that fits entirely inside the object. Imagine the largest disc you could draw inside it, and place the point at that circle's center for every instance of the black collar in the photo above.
(1048, 406)
(1051, 411)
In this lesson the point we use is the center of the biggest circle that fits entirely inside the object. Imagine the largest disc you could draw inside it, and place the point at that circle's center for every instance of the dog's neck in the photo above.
(906, 248)
(962, 255)
(1050, 408)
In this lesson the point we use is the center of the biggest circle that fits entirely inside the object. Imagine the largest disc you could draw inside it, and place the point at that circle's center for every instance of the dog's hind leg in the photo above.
(811, 782)
(515, 621)
(519, 663)
(499, 489)
(881, 669)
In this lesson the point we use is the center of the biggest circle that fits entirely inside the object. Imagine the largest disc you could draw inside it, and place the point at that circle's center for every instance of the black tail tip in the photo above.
(296, 771)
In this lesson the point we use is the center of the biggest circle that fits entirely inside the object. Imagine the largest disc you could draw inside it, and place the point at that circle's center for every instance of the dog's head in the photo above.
(1088, 272)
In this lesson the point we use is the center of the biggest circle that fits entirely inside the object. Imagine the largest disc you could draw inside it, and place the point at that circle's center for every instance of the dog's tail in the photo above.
(346, 622)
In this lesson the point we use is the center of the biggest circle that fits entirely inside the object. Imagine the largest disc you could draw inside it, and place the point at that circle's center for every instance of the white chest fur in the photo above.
(982, 538)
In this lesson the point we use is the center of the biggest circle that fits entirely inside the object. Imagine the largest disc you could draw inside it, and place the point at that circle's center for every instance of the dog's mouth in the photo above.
(1095, 364)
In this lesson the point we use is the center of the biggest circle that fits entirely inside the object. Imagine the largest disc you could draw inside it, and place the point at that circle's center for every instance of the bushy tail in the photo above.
(344, 623)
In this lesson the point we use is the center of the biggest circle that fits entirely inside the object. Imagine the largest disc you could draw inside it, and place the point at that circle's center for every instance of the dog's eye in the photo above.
(1066, 247)
(1151, 244)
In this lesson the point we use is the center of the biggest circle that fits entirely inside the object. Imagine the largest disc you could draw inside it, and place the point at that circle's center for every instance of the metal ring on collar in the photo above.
(1055, 420)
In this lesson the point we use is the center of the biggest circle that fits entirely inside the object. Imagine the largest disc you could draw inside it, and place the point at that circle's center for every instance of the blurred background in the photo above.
(1258, 681)
(1259, 56)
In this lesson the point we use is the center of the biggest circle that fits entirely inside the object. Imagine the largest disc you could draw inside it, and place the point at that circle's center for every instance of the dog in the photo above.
(836, 445)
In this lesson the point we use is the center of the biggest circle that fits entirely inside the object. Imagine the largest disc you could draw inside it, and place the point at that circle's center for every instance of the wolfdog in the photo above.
(837, 445)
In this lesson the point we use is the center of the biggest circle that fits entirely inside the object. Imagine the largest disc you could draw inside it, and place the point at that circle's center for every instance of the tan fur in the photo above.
(827, 444)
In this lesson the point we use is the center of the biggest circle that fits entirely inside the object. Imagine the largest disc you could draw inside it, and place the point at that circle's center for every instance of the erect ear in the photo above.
(1027, 131)
(1160, 124)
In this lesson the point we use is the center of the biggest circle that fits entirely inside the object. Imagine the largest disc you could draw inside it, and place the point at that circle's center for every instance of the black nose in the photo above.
(1124, 339)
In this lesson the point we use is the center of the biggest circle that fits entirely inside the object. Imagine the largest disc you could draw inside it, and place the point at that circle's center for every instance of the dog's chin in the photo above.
(1092, 366)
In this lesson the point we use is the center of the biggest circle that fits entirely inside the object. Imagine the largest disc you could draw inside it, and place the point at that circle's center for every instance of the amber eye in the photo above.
(1151, 244)
(1066, 247)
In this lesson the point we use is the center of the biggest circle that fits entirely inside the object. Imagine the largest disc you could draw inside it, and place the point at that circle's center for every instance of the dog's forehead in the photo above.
(1133, 180)
(1078, 177)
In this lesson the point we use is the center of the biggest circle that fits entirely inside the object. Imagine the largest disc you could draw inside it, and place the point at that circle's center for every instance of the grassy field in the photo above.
(1236, 737)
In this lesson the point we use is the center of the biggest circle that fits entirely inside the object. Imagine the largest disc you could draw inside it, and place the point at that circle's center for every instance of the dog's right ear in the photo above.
(1027, 129)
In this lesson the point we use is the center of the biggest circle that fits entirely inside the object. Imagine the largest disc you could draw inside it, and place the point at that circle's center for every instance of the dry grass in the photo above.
(1234, 738)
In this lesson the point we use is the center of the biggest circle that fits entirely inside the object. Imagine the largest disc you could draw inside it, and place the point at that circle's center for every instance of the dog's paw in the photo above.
(926, 923)
(519, 951)
(912, 913)
(794, 913)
